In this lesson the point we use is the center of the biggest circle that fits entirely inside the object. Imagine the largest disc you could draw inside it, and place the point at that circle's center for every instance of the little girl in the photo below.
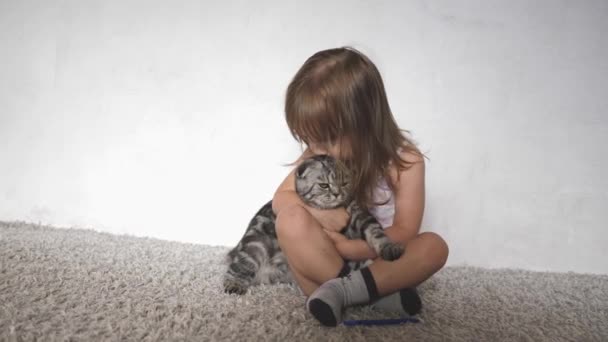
(336, 105)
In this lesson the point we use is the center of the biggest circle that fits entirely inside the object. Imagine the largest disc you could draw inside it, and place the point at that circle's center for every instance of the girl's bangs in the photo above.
(313, 121)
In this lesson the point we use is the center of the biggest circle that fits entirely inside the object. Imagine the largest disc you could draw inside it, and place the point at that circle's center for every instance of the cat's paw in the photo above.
(391, 251)
(235, 286)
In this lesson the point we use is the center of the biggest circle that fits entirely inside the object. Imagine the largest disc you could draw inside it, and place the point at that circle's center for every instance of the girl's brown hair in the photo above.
(338, 95)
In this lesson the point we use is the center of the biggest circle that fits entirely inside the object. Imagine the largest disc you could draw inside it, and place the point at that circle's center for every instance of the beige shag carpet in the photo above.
(81, 285)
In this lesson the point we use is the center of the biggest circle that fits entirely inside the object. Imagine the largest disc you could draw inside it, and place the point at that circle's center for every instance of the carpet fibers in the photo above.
(82, 285)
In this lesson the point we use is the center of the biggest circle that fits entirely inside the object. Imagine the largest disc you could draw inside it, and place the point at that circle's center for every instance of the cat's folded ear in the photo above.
(301, 170)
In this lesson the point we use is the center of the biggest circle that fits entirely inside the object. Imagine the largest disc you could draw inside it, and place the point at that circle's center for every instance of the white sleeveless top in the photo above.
(384, 213)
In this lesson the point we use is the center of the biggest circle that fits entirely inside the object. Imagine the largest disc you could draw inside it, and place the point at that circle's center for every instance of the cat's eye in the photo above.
(324, 186)
(345, 184)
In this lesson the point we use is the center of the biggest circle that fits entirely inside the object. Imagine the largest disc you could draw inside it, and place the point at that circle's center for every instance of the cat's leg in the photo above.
(368, 228)
(382, 245)
(241, 272)
(248, 258)
(279, 270)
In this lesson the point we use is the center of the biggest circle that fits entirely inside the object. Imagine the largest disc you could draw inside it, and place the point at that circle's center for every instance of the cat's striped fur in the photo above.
(257, 259)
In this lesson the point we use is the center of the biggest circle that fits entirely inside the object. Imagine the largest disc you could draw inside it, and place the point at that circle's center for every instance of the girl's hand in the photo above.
(333, 220)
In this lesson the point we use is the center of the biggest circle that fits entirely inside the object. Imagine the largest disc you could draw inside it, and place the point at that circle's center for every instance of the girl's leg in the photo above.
(311, 254)
(424, 255)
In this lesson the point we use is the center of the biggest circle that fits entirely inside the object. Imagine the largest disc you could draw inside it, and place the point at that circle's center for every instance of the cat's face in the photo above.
(317, 183)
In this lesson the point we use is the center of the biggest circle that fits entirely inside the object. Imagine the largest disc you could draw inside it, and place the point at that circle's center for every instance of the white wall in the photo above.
(164, 119)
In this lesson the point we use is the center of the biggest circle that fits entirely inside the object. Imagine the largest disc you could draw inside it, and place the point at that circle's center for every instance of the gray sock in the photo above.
(404, 302)
(327, 302)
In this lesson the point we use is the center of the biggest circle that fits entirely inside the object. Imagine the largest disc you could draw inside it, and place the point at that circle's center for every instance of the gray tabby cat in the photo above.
(257, 259)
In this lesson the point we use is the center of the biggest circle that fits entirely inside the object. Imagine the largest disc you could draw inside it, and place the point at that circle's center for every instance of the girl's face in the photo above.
(340, 149)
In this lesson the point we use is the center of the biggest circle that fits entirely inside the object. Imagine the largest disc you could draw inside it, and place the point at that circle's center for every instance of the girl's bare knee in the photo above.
(437, 249)
(292, 223)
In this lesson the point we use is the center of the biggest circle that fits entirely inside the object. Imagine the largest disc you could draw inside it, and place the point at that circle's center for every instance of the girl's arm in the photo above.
(409, 207)
(354, 250)
(409, 201)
